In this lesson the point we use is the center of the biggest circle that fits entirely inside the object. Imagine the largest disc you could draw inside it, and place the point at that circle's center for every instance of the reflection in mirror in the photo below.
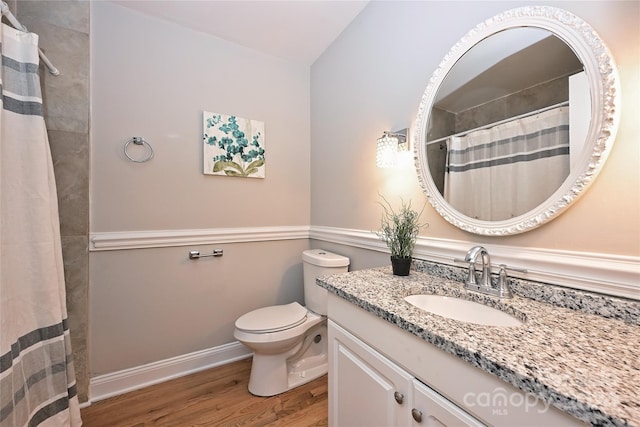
(498, 140)
(543, 80)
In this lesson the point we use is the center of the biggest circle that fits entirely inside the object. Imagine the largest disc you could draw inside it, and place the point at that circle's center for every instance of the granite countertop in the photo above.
(585, 364)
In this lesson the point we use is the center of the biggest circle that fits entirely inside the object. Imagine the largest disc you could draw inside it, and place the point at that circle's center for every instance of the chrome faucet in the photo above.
(502, 290)
(485, 277)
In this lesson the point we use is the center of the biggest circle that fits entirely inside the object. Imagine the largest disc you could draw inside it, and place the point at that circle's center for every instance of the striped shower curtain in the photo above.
(37, 382)
(507, 170)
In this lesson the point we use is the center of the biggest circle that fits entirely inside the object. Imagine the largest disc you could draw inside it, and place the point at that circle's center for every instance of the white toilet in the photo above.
(290, 341)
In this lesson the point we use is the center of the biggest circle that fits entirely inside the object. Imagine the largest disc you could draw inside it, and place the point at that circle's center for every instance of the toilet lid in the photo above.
(273, 318)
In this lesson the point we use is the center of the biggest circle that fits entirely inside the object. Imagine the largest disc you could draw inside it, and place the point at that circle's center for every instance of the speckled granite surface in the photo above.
(604, 305)
(585, 364)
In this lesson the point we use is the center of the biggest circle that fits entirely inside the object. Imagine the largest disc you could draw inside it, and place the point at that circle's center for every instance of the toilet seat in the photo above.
(272, 319)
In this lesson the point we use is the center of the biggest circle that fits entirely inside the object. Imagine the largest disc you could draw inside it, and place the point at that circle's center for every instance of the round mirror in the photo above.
(517, 121)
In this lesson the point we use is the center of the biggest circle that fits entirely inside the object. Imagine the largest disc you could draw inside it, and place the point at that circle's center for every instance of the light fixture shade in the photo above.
(388, 146)
(386, 151)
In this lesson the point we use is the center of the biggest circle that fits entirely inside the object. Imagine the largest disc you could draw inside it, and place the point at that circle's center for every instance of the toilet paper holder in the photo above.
(196, 254)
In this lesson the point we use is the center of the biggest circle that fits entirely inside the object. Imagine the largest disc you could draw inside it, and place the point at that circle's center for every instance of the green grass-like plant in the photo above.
(399, 230)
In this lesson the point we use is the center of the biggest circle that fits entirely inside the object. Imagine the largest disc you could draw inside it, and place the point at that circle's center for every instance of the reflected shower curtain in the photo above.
(507, 170)
(37, 382)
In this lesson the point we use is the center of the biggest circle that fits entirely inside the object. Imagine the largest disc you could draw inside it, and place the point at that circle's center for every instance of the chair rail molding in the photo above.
(615, 275)
(118, 240)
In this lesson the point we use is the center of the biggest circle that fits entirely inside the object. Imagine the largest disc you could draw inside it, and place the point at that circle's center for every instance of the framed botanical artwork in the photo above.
(233, 146)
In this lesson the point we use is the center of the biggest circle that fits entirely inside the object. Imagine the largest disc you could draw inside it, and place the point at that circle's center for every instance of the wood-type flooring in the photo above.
(215, 397)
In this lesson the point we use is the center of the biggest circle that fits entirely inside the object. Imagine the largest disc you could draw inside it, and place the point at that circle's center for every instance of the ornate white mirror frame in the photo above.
(604, 89)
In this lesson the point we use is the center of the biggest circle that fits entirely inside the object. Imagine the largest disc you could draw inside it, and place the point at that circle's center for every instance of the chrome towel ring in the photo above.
(138, 140)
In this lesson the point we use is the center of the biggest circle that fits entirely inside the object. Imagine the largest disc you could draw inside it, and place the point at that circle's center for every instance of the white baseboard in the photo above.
(116, 383)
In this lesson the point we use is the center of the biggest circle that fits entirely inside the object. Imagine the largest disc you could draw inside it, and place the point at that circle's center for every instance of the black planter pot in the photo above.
(400, 266)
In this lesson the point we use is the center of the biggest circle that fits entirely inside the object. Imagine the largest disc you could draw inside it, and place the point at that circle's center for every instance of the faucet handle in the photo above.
(471, 282)
(504, 290)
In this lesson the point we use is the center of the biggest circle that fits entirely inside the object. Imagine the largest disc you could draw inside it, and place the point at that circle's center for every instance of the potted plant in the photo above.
(399, 231)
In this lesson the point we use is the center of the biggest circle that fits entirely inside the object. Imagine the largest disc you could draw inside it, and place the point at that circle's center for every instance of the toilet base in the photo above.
(316, 367)
(273, 374)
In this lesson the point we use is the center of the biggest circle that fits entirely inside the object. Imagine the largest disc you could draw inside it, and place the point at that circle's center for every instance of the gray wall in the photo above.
(63, 27)
(372, 79)
(153, 79)
(522, 102)
(153, 304)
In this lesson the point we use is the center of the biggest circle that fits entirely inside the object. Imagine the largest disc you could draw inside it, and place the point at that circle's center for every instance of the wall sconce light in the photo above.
(389, 145)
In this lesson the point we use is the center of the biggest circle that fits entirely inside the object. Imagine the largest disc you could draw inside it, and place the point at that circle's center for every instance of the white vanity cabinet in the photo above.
(432, 410)
(367, 389)
(379, 374)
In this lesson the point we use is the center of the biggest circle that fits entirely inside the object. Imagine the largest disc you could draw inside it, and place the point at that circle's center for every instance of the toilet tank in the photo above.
(317, 263)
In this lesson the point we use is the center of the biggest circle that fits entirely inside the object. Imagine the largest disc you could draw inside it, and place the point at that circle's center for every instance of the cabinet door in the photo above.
(430, 409)
(365, 389)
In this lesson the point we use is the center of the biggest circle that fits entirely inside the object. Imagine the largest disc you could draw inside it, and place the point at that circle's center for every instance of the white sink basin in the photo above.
(462, 310)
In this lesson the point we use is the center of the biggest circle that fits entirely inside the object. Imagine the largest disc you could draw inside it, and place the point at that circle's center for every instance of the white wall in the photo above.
(372, 79)
(153, 79)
